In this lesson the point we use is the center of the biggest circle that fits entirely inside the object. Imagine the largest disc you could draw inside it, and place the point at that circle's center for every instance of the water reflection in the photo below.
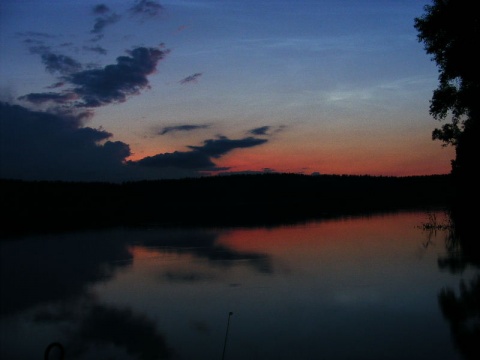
(56, 268)
(362, 288)
(463, 313)
(462, 308)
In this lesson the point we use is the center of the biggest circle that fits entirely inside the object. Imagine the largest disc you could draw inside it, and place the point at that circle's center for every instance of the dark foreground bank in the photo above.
(211, 201)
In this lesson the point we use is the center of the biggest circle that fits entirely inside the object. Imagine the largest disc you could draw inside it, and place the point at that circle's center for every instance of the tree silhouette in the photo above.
(450, 31)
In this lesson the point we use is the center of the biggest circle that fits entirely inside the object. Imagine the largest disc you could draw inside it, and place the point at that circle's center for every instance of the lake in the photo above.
(365, 287)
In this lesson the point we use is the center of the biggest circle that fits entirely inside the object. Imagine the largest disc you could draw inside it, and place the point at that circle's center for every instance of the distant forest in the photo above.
(230, 200)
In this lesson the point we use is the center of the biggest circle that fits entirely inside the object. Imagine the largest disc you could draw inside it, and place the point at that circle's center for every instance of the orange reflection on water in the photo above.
(345, 245)
(325, 234)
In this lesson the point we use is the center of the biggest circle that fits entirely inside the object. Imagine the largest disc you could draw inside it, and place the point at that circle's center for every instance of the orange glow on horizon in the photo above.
(389, 155)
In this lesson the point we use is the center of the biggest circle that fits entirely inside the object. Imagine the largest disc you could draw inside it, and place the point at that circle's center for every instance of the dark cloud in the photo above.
(38, 145)
(100, 9)
(56, 144)
(266, 130)
(55, 63)
(40, 98)
(146, 8)
(102, 86)
(262, 130)
(56, 85)
(170, 129)
(200, 157)
(62, 64)
(217, 147)
(114, 83)
(190, 79)
(45, 146)
(191, 160)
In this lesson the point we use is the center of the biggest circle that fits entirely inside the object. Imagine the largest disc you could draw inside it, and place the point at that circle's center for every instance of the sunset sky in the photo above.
(128, 90)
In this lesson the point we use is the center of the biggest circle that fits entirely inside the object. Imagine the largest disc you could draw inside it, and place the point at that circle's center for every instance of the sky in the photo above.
(143, 89)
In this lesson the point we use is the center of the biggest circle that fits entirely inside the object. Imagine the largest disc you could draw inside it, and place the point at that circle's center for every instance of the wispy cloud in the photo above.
(35, 34)
(266, 130)
(146, 8)
(190, 79)
(97, 49)
(181, 28)
(181, 128)
(56, 85)
(262, 130)
(104, 18)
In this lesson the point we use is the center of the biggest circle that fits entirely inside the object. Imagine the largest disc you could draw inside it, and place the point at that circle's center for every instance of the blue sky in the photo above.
(128, 90)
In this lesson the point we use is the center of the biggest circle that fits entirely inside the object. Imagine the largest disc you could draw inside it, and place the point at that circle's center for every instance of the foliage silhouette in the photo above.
(211, 201)
(450, 32)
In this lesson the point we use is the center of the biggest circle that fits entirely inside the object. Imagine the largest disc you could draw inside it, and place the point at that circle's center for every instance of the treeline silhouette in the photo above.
(263, 199)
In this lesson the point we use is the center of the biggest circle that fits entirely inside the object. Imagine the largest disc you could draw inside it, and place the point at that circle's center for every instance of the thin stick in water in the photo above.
(226, 334)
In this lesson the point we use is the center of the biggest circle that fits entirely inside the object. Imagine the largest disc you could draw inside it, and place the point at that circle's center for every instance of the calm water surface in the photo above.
(358, 288)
